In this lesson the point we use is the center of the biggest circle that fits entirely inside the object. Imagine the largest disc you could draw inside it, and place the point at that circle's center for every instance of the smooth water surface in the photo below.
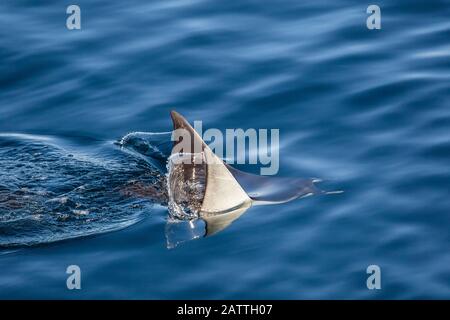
(366, 110)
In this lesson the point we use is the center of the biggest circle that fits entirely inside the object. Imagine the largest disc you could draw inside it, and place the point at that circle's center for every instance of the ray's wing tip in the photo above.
(174, 114)
(178, 120)
(334, 192)
(317, 190)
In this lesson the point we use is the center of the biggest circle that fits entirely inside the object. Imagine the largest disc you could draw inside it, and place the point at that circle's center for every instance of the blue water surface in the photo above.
(367, 110)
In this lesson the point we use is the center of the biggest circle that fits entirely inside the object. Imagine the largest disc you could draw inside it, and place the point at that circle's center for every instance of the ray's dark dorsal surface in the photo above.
(224, 197)
(51, 190)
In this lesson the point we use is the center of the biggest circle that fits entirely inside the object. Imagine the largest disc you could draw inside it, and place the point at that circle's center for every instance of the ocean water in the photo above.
(365, 110)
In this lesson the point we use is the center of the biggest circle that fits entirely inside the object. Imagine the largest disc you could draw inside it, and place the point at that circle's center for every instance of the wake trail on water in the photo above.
(53, 189)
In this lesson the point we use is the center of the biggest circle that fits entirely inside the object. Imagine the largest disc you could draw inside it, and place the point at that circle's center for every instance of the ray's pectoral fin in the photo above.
(216, 192)
(222, 201)
(272, 190)
(222, 191)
